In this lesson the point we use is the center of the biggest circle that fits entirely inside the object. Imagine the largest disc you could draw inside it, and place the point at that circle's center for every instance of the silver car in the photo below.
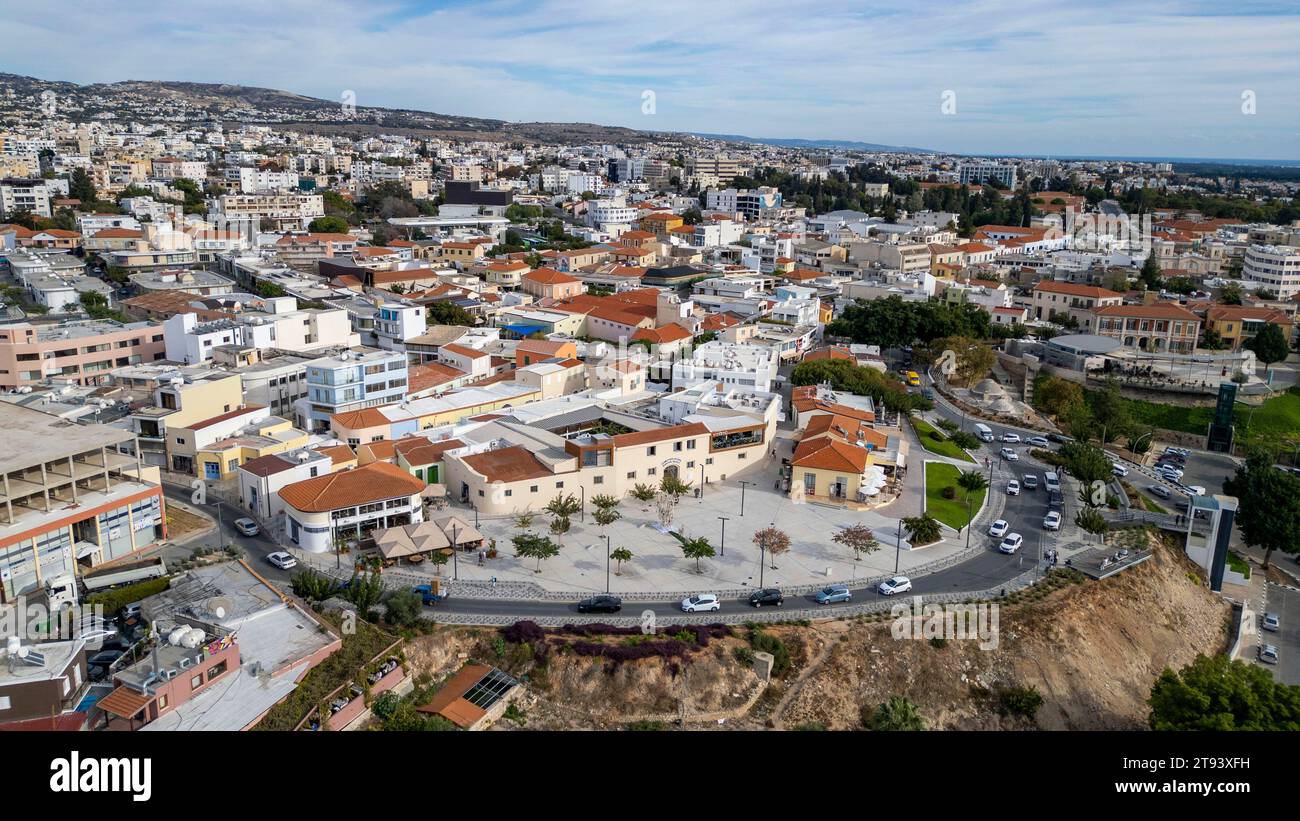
(1268, 654)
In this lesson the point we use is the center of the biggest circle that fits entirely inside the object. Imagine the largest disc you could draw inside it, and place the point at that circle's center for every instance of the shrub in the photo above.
(949, 492)
(404, 607)
(386, 705)
(947, 424)
(647, 726)
(767, 643)
(523, 632)
(1021, 701)
(114, 600)
(744, 655)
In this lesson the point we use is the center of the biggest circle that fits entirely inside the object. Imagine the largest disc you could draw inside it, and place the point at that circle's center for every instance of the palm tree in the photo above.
(621, 555)
(972, 481)
(899, 713)
(922, 529)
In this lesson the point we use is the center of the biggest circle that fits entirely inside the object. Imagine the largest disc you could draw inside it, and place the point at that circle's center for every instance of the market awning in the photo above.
(459, 529)
(411, 540)
(434, 492)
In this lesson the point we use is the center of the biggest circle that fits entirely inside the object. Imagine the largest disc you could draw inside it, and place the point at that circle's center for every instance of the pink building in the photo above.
(80, 350)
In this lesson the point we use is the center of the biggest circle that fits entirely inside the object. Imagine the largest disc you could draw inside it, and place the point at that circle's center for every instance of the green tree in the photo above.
(1090, 520)
(1268, 499)
(1217, 693)
(531, 546)
(972, 481)
(620, 555)
(328, 225)
(1056, 396)
(403, 607)
(857, 537)
(605, 516)
(82, 187)
(1230, 294)
(365, 591)
(899, 713)
(1149, 276)
(1087, 463)
(445, 313)
(1270, 345)
(697, 549)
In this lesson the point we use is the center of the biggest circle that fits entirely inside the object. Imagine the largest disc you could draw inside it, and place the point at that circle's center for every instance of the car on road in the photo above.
(1038, 441)
(1195, 490)
(1118, 469)
(1159, 490)
(600, 604)
(1180, 452)
(898, 584)
(927, 393)
(914, 379)
(1271, 622)
(247, 527)
(999, 528)
(282, 560)
(104, 658)
(834, 594)
(1010, 437)
(1058, 438)
(1268, 653)
(1052, 521)
(1013, 488)
(702, 602)
(1029, 481)
(1011, 543)
(768, 596)
(1009, 454)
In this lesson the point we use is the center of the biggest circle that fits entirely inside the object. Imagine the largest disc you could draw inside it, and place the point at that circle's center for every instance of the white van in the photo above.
(984, 432)
(1051, 482)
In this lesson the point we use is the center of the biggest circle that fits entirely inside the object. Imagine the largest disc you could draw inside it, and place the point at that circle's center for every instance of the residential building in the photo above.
(1068, 299)
(350, 381)
(83, 351)
(1274, 268)
(1156, 328)
(350, 504)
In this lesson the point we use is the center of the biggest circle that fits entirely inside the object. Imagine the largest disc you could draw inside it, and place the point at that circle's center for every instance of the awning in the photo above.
(461, 530)
(411, 540)
(124, 702)
(434, 492)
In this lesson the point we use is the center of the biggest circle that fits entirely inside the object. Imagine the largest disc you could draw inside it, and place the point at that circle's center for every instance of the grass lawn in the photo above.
(1238, 564)
(951, 512)
(1278, 418)
(936, 442)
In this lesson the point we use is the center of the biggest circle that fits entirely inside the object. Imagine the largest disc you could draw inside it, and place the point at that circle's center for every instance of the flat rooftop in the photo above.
(32, 437)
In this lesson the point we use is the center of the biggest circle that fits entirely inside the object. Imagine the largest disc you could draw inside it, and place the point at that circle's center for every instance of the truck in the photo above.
(984, 432)
(431, 593)
(124, 574)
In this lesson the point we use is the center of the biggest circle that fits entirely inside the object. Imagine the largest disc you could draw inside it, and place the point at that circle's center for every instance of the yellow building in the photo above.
(272, 435)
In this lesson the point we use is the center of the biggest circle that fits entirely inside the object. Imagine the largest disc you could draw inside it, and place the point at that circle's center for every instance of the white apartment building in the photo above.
(612, 215)
(279, 325)
(977, 173)
(1273, 267)
(740, 366)
(25, 195)
(395, 323)
(287, 210)
(255, 180)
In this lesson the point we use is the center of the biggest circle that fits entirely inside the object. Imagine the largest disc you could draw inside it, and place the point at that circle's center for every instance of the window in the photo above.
(690, 444)
(162, 702)
(651, 471)
(180, 440)
(216, 670)
(4, 702)
(708, 461)
(196, 682)
(480, 493)
(599, 480)
(532, 488)
(677, 446)
(690, 465)
(650, 451)
(631, 474)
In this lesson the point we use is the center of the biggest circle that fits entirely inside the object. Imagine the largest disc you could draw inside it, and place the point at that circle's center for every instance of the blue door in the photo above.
(211, 470)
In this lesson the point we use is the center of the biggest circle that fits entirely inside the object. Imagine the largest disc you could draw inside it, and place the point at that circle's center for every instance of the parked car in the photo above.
(1058, 438)
(282, 560)
(999, 528)
(898, 584)
(1009, 454)
(1038, 441)
(1195, 490)
(1271, 622)
(1268, 653)
(1013, 488)
(769, 596)
(1180, 452)
(1029, 481)
(833, 594)
(1169, 472)
(600, 604)
(1010, 437)
(1159, 490)
(1118, 469)
(706, 602)
(247, 527)
(1011, 543)
(1052, 521)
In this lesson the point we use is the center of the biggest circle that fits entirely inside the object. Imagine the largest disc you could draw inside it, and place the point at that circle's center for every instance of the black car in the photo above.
(769, 596)
(600, 604)
(1059, 438)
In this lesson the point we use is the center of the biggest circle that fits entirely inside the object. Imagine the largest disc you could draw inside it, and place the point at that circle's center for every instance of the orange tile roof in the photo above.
(363, 418)
(1073, 289)
(1160, 310)
(337, 453)
(449, 702)
(348, 488)
(826, 453)
(461, 350)
(512, 464)
(420, 450)
(672, 332)
(548, 276)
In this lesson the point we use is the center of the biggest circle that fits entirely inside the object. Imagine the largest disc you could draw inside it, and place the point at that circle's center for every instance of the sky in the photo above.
(1136, 78)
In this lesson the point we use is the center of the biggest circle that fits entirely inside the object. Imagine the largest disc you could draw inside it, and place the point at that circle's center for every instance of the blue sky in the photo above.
(1101, 78)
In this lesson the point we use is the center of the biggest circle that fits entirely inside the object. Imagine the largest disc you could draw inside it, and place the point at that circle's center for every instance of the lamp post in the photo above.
(969, 523)
(762, 560)
(701, 480)
(606, 562)
(722, 543)
(898, 546)
(743, 485)
(583, 507)
(455, 549)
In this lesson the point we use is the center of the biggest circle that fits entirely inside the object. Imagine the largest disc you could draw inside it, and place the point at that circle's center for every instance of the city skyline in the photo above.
(1056, 82)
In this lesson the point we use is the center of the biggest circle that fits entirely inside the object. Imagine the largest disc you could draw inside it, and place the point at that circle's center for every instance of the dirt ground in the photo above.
(182, 523)
(1091, 649)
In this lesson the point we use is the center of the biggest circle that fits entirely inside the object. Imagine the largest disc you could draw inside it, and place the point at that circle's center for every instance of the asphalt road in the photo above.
(1286, 604)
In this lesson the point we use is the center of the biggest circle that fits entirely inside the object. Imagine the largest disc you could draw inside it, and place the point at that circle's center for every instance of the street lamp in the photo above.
(898, 546)
(743, 485)
(455, 549)
(701, 480)
(722, 543)
(606, 562)
(583, 488)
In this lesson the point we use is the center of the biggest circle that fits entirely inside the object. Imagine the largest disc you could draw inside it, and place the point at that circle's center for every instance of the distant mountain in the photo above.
(852, 145)
(186, 102)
